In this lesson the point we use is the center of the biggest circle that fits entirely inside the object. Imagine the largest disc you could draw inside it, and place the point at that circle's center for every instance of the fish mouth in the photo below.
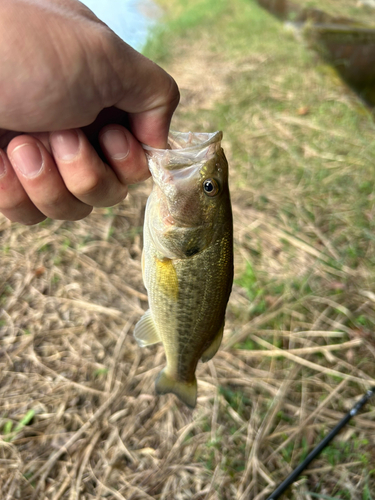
(188, 140)
(185, 149)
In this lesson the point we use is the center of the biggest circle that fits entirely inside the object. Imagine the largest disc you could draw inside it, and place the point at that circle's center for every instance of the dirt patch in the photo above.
(204, 79)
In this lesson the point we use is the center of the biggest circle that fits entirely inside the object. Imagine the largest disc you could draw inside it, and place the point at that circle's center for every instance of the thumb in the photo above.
(149, 95)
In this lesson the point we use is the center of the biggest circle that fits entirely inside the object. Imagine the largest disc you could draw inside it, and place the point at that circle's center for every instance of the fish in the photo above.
(187, 259)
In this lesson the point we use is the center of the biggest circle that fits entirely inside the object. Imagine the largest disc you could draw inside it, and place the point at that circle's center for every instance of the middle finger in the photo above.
(85, 175)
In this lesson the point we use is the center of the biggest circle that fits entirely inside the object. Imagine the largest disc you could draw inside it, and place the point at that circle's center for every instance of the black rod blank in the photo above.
(316, 451)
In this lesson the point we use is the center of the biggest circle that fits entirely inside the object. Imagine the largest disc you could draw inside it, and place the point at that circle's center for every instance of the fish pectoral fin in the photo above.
(187, 393)
(210, 352)
(145, 331)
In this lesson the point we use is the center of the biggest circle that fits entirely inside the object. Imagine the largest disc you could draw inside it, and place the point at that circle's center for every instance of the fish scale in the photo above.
(187, 258)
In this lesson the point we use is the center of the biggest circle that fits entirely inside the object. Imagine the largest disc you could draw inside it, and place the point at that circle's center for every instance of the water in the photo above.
(131, 20)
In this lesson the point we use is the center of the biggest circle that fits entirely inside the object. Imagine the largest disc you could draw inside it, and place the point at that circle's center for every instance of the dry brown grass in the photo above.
(294, 358)
(71, 293)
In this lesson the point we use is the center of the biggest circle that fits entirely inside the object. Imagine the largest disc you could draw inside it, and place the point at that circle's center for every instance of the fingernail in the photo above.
(28, 159)
(65, 144)
(3, 169)
(115, 144)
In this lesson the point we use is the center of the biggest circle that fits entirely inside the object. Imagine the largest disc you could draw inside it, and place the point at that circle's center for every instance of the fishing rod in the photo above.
(320, 447)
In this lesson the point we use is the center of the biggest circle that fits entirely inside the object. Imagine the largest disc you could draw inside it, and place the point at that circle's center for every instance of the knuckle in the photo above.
(54, 202)
(63, 206)
(90, 184)
(99, 190)
(116, 197)
(66, 210)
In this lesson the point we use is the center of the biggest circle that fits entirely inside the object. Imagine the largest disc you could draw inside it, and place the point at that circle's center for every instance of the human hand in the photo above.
(68, 85)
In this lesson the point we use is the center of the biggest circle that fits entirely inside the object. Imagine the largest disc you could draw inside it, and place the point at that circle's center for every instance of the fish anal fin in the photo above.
(145, 331)
(186, 392)
(212, 349)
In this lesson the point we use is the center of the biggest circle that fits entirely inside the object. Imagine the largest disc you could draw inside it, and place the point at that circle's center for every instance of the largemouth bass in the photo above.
(187, 260)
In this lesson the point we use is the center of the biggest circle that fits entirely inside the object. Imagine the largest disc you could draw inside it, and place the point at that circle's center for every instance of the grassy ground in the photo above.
(78, 414)
(360, 10)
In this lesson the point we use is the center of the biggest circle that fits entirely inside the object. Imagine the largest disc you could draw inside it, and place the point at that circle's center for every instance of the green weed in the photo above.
(10, 433)
(99, 372)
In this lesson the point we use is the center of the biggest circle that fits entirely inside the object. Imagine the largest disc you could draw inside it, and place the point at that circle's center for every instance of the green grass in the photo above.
(11, 433)
(183, 19)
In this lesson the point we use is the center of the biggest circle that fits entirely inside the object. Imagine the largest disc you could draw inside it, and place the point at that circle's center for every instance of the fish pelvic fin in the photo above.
(145, 331)
(212, 349)
(186, 392)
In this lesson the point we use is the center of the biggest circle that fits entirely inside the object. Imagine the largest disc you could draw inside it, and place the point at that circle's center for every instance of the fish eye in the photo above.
(210, 187)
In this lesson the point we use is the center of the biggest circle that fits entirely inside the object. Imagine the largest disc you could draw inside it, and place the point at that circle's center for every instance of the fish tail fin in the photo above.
(186, 392)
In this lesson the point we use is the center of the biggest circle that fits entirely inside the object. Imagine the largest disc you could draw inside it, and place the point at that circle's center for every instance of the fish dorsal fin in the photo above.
(210, 352)
(186, 392)
(145, 331)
